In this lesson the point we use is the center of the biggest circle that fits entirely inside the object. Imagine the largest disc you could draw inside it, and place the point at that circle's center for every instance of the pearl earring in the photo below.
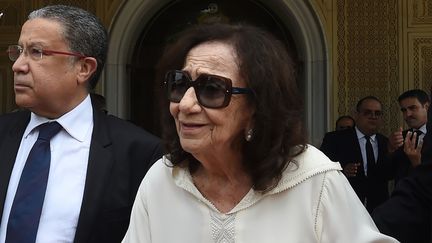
(249, 135)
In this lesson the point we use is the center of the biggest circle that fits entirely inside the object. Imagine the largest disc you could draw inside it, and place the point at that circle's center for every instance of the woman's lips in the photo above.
(190, 128)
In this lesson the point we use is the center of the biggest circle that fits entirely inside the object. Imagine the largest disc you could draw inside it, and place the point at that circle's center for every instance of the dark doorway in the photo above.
(164, 26)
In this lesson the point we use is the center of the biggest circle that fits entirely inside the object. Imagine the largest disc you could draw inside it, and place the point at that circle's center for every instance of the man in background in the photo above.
(407, 215)
(344, 122)
(414, 105)
(362, 153)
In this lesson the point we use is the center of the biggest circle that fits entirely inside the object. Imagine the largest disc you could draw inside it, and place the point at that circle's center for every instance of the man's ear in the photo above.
(427, 105)
(87, 67)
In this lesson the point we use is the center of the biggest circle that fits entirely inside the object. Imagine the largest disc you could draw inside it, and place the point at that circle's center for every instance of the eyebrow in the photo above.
(33, 43)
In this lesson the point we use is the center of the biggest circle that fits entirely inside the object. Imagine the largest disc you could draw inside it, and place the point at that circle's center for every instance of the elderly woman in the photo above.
(238, 168)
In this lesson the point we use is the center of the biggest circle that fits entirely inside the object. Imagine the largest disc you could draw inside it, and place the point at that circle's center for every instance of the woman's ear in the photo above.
(88, 66)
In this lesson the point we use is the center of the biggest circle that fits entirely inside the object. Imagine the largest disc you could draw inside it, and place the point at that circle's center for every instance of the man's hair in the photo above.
(419, 94)
(82, 31)
(344, 117)
(268, 69)
(370, 97)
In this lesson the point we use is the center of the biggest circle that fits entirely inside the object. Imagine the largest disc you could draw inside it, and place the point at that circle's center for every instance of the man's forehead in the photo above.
(371, 105)
(41, 27)
(41, 30)
(410, 100)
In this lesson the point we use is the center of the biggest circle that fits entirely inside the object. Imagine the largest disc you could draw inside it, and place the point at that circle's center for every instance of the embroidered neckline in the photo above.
(222, 227)
(300, 169)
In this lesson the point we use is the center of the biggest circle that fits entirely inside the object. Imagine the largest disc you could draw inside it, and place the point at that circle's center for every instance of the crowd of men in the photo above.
(370, 160)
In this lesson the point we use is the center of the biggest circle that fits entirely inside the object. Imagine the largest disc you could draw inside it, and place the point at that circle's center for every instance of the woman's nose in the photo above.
(189, 102)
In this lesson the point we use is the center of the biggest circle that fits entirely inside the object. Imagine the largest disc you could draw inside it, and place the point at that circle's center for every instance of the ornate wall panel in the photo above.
(420, 63)
(418, 36)
(367, 55)
(419, 13)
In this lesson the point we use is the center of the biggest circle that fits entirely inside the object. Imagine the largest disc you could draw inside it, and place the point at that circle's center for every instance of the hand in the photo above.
(412, 152)
(396, 140)
(350, 170)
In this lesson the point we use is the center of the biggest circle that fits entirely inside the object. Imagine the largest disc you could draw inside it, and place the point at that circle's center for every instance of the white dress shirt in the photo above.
(362, 141)
(65, 188)
(423, 129)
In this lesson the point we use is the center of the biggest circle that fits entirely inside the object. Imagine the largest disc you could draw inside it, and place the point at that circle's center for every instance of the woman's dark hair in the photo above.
(268, 69)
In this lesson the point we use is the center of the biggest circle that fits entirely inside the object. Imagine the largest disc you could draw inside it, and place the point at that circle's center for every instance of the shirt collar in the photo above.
(423, 129)
(362, 135)
(76, 122)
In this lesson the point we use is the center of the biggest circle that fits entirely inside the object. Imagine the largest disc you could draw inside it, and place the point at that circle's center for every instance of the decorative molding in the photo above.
(323, 9)
(419, 12)
(341, 32)
(422, 62)
(112, 7)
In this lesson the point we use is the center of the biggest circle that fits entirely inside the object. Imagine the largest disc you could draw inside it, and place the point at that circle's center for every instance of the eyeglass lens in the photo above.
(372, 113)
(14, 52)
(36, 53)
(212, 91)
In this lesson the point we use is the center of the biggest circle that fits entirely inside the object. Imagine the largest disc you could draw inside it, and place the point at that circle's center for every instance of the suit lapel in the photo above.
(382, 146)
(8, 151)
(99, 167)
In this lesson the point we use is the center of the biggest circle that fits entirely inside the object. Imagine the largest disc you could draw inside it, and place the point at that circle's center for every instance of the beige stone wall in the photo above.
(379, 48)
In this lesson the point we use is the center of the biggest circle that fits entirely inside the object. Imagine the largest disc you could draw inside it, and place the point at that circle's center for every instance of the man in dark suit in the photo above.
(407, 215)
(95, 161)
(349, 147)
(414, 105)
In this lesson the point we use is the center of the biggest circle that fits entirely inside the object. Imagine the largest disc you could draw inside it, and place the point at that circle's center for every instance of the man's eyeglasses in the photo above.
(212, 91)
(35, 53)
(370, 113)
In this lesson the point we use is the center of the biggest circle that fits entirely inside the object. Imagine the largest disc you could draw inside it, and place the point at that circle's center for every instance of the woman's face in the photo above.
(206, 130)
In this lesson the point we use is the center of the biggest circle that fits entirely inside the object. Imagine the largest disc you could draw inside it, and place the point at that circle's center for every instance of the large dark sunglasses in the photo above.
(212, 91)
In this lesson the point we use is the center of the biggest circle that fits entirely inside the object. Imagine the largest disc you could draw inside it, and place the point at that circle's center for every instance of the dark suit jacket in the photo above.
(343, 147)
(407, 215)
(120, 155)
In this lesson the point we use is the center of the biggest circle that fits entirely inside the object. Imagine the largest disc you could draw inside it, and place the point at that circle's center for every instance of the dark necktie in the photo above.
(370, 157)
(419, 133)
(27, 205)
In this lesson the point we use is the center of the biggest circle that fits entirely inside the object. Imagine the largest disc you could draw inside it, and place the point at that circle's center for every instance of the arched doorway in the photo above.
(142, 27)
(162, 29)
